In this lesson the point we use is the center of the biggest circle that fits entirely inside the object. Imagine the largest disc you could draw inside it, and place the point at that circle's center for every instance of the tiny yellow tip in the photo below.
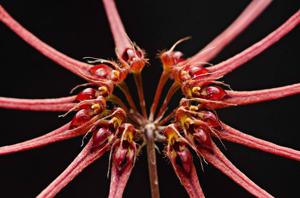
(116, 73)
(116, 122)
(171, 137)
(196, 89)
(110, 138)
(194, 108)
(103, 89)
(187, 122)
(130, 136)
(95, 106)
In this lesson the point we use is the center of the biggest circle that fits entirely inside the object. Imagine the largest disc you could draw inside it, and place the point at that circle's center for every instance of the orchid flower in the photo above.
(189, 133)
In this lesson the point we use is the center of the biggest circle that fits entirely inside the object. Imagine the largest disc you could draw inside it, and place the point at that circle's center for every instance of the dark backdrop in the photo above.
(80, 28)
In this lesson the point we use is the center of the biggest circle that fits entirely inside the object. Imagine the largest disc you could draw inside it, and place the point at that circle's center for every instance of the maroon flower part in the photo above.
(121, 129)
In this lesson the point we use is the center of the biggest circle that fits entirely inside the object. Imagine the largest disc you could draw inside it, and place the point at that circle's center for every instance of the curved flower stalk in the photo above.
(171, 57)
(251, 12)
(248, 97)
(118, 127)
(218, 160)
(53, 54)
(88, 155)
(182, 161)
(128, 53)
(57, 104)
(233, 135)
(246, 55)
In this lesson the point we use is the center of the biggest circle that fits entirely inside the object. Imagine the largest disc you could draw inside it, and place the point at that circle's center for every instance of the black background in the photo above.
(80, 28)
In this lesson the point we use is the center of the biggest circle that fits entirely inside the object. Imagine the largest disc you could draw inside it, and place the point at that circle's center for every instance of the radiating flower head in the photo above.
(120, 128)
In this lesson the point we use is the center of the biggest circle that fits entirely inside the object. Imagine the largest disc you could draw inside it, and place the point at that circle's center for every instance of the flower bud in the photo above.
(81, 117)
(171, 58)
(210, 118)
(86, 94)
(100, 71)
(196, 71)
(101, 135)
(123, 155)
(213, 93)
(135, 59)
(185, 158)
(202, 137)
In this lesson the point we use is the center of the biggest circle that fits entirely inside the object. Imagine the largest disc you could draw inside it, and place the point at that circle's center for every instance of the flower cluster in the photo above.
(123, 129)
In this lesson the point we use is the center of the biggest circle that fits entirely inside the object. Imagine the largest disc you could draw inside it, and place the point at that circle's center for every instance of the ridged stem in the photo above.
(151, 158)
(232, 135)
(58, 57)
(251, 12)
(250, 97)
(248, 54)
(53, 136)
(60, 134)
(120, 37)
(86, 157)
(219, 161)
(53, 104)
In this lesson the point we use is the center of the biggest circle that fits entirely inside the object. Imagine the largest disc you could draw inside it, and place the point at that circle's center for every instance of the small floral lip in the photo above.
(122, 128)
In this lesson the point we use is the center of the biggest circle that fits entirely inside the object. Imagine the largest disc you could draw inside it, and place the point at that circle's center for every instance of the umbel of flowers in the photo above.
(122, 129)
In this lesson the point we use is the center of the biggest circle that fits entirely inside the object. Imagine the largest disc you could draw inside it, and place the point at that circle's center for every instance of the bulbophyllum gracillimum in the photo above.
(188, 137)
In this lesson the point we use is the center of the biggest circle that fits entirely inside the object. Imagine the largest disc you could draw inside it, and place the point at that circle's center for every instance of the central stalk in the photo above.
(151, 156)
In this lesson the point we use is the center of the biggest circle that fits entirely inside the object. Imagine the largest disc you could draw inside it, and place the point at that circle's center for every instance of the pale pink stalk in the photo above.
(189, 180)
(232, 135)
(218, 160)
(58, 57)
(36, 142)
(87, 156)
(120, 37)
(107, 133)
(53, 104)
(119, 180)
(60, 134)
(250, 97)
(152, 162)
(232, 63)
(123, 42)
(251, 12)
